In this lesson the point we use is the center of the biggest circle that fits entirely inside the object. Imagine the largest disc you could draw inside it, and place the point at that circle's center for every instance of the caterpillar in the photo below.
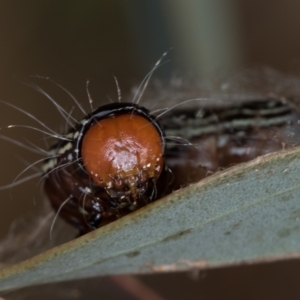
(122, 156)
(117, 159)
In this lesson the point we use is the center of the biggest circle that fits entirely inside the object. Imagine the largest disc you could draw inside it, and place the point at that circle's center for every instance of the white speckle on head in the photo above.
(109, 184)
(149, 165)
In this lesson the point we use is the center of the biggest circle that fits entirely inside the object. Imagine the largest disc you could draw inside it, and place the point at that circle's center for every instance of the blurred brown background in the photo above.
(72, 41)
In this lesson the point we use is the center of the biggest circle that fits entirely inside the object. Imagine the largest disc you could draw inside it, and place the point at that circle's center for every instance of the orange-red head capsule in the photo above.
(122, 152)
(121, 147)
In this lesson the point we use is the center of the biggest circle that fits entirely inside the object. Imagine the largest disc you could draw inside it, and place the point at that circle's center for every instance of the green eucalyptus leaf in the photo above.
(248, 213)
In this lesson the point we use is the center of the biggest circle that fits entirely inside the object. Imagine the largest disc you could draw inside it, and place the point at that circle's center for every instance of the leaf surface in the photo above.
(248, 213)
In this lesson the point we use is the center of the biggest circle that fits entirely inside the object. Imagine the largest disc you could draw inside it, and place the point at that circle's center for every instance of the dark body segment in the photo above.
(223, 137)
